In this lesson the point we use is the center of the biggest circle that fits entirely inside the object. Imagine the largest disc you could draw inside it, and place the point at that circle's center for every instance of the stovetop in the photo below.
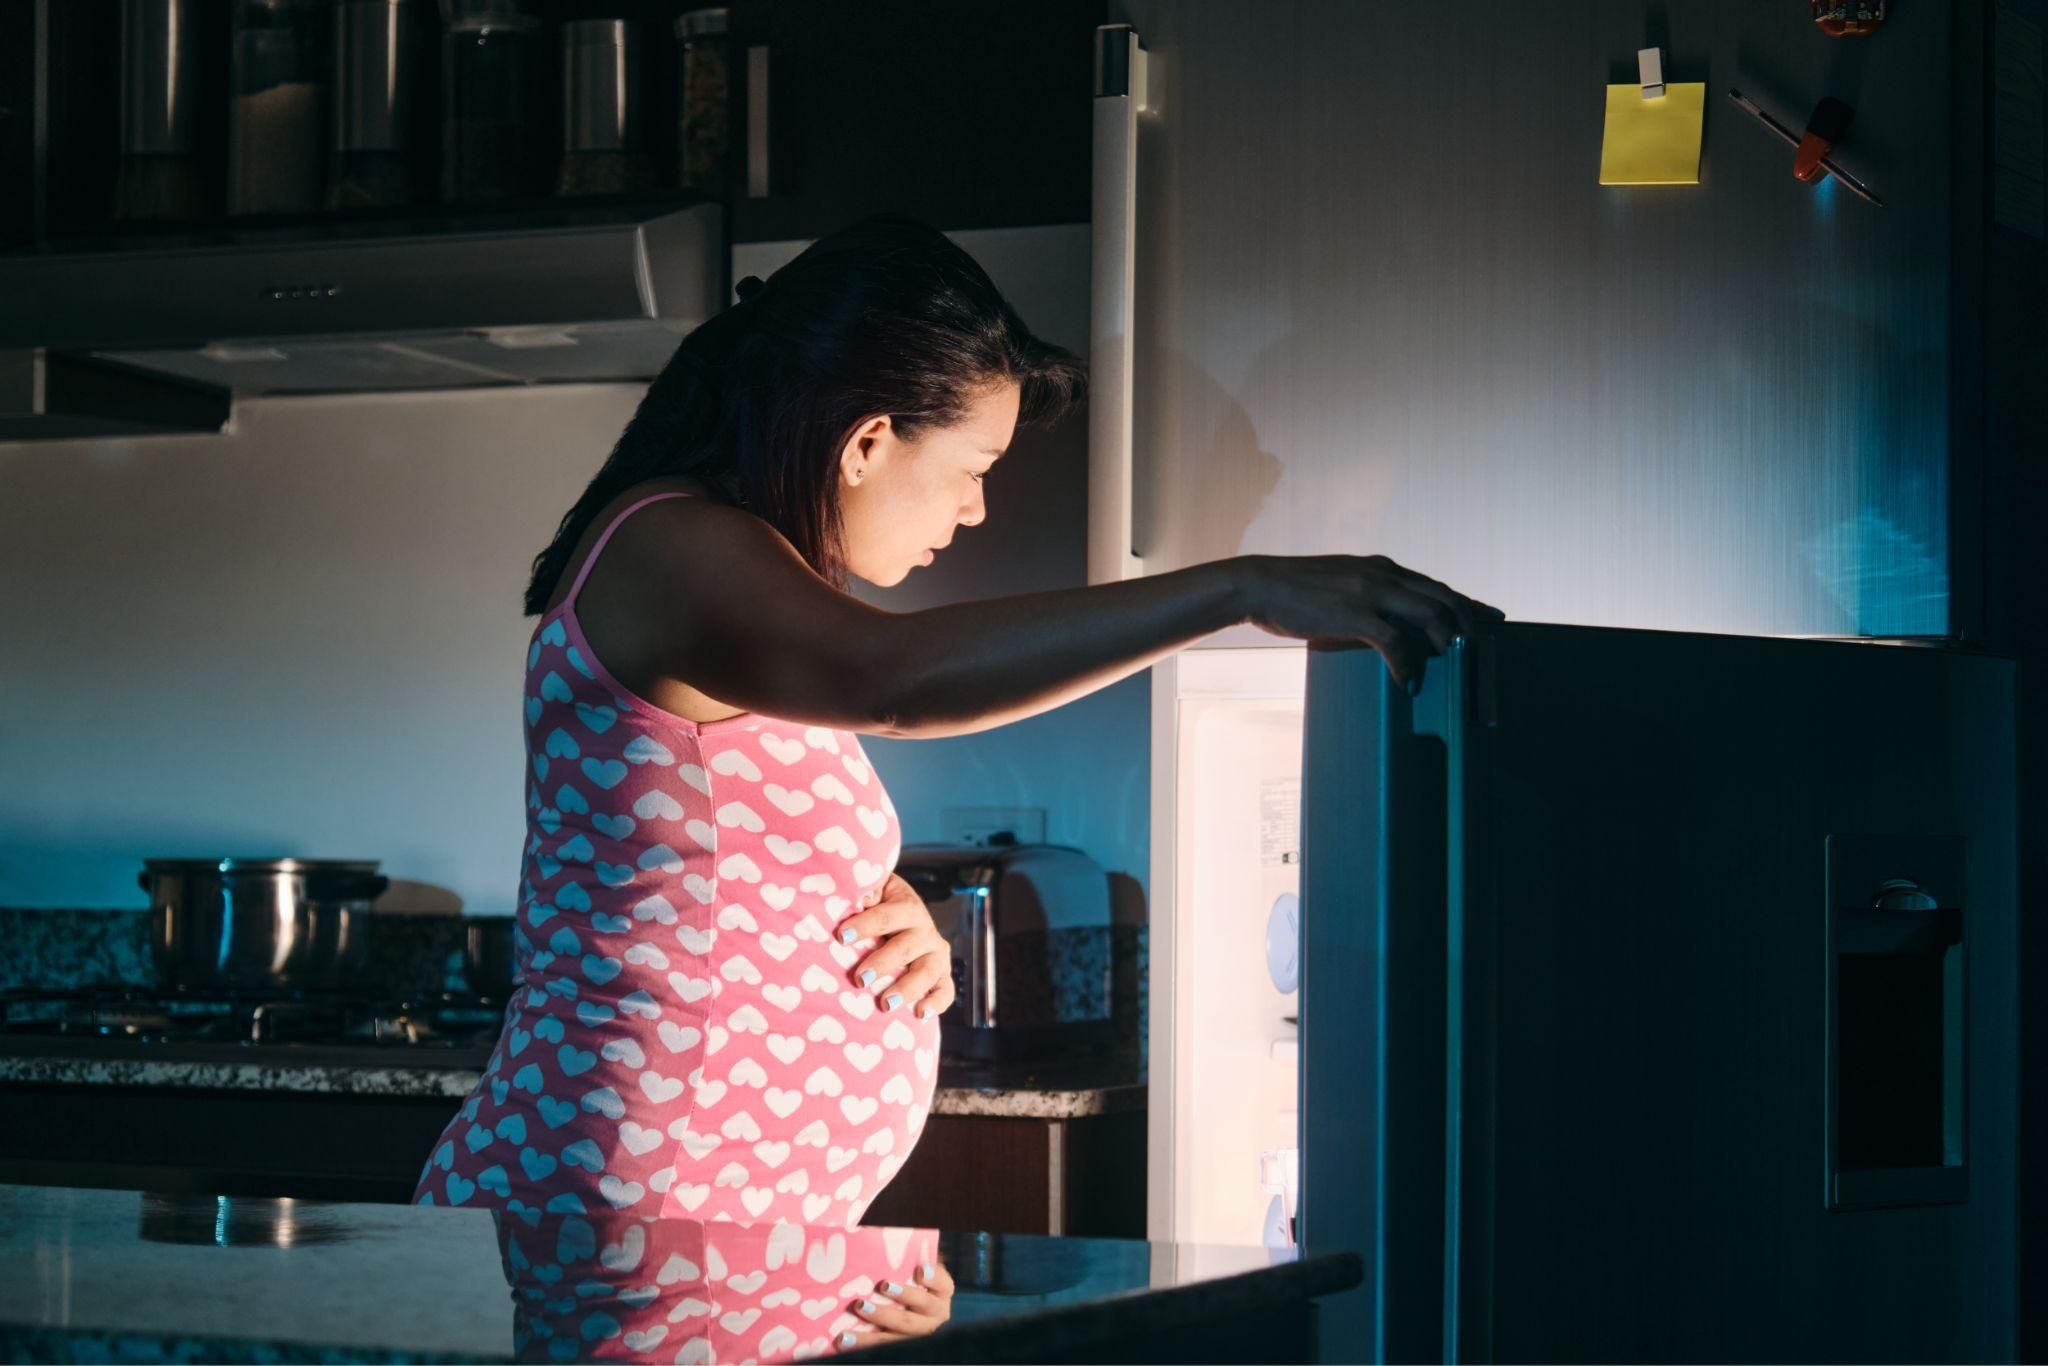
(120, 1020)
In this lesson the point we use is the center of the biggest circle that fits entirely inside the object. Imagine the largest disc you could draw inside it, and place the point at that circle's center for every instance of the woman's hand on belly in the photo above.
(913, 953)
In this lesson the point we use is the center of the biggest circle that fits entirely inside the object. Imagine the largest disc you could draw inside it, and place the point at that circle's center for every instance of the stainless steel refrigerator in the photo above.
(1357, 289)
(1659, 999)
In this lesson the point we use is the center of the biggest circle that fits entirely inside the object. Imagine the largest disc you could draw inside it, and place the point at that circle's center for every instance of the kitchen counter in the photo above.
(106, 1274)
(1055, 1091)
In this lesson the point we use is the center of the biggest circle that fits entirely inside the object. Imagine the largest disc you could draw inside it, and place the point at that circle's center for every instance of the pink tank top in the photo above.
(685, 1035)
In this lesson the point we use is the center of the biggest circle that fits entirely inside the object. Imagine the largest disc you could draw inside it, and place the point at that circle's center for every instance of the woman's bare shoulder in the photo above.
(634, 600)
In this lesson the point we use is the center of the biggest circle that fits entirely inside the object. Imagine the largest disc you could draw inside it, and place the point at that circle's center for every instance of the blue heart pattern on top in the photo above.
(606, 773)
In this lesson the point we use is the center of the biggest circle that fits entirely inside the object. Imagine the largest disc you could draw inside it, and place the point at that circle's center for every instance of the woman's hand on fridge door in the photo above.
(1337, 600)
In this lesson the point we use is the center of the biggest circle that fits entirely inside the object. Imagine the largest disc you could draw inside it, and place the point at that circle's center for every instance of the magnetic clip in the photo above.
(1828, 125)
(1848, 18)
(1650, 66)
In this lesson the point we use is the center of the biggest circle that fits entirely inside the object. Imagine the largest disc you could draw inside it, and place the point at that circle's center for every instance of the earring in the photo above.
(857, 474)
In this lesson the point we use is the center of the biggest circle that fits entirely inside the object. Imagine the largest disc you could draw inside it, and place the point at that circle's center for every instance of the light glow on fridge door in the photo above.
(1227, 794)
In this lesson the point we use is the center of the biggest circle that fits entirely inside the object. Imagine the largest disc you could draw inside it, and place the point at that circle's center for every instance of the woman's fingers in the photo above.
(1421, 613)
(884, 918)
(897, 953)
(917, 980)
(1473, 614)
(913, 1297)
(938, 1002)
(891, 1317)
(933, 1276)
(1404, 660)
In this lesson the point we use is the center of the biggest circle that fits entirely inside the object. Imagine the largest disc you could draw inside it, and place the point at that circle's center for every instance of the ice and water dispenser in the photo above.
(1897, 1042)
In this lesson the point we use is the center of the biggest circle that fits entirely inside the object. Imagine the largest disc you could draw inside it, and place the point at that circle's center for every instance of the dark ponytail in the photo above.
(883, 318)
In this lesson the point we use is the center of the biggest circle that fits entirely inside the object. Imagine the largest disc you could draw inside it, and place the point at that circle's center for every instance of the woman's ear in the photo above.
(861, 450)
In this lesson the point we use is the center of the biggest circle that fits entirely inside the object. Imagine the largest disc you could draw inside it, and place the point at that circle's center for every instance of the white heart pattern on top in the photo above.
(679, 962)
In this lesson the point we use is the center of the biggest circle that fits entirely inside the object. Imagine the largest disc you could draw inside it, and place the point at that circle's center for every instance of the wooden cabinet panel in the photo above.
(221, 1142)
(1081, 1177)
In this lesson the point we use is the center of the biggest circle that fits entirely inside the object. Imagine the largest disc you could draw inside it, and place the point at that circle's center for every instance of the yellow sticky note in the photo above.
(1653, 142)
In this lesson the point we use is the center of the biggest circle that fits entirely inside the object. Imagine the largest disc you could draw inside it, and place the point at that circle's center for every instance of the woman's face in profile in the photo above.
(911, 496)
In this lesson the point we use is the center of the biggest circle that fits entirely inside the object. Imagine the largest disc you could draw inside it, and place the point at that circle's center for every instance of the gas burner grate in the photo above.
(150, 1014)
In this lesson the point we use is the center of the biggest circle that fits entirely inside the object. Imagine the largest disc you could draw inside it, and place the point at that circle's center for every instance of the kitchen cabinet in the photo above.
(1082, 1176)
(224, 1142)
(17, 123)
(1026, 1161)
(966, 115)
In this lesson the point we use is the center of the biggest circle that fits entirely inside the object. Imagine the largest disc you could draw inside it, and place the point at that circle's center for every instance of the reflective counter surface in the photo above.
(108, 1274)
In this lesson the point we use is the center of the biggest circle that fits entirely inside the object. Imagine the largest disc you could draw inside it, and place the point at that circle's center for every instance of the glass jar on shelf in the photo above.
(277, 67)
(704, 101)
(159, 177)
(486, 73)
(603, 148)
(373, 79)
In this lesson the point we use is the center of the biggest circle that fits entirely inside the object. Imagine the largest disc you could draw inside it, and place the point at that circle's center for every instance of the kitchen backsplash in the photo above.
(411, 953)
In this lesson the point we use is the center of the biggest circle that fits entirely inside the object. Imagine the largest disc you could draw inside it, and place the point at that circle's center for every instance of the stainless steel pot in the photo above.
(259, 924)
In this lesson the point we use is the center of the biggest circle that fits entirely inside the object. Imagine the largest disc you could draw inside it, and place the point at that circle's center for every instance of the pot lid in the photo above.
(260, 865)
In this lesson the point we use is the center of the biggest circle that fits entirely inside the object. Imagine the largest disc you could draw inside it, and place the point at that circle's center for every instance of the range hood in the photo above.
(560, 295)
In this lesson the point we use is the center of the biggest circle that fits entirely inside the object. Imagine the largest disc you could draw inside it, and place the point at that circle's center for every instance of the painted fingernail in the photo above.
(846, 935)
(890, 1288)
(895, 999)
(926, 1270)
(867, 977)
(846, 1339)
(867, 1306)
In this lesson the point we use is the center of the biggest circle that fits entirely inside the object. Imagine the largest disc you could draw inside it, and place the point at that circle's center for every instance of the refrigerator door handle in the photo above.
(1119, 98)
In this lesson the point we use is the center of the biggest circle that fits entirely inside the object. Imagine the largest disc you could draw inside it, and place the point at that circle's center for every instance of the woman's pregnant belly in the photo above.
(809, 1096)
(736, 1074)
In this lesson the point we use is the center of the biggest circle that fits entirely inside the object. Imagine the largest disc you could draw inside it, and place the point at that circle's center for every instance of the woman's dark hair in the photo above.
(886, 317)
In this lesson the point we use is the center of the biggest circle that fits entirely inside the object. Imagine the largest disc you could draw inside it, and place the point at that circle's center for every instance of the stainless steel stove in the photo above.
(314, 1094)
(451, 1021)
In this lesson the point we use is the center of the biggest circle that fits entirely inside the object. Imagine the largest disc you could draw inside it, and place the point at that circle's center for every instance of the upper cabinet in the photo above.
(169, 121)
(237, 197)
(965, 113)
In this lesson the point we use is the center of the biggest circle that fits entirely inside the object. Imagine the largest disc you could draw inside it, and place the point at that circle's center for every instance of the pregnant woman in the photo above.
(726, 1004)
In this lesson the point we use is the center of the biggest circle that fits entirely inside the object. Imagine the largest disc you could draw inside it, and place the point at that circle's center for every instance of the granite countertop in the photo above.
(103, 1274)
(1065, 1090)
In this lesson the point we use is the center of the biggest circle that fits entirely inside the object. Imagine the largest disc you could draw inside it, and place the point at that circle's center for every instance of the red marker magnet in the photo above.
(1828, 125)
